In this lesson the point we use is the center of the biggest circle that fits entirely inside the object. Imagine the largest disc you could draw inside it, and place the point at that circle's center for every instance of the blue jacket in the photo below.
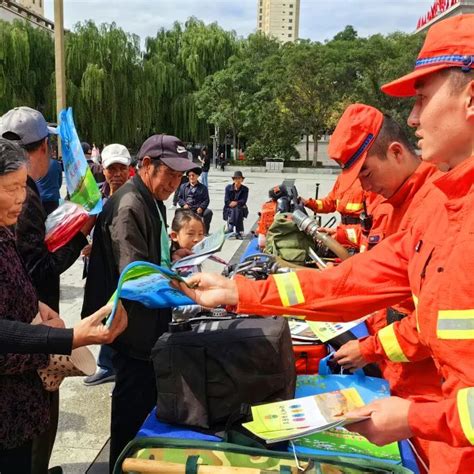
(50, 184)
(194, 196)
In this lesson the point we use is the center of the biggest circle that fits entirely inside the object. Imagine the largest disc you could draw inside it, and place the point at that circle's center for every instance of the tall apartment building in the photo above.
(279, 18)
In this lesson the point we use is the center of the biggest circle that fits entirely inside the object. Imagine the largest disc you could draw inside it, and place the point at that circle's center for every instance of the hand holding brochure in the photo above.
(150, 285)
(291, 419)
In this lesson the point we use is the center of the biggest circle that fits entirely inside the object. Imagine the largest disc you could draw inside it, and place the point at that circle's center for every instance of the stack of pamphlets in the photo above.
(290, 419)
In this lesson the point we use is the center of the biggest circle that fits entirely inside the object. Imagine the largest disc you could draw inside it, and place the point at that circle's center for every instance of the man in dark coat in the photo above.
(132, 226)
(195, 196)
(235, 204)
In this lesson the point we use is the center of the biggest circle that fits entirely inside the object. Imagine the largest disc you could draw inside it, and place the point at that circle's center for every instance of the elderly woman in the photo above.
(24, 409)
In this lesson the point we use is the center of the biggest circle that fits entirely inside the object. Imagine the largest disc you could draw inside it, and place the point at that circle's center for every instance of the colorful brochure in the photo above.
(326, 331)
(301, 331)
(203, 250)
(80, 182)
(280, 421)
(150, 285)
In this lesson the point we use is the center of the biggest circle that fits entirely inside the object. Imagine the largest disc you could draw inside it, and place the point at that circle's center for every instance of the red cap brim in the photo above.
(349, 176)
(405, 85)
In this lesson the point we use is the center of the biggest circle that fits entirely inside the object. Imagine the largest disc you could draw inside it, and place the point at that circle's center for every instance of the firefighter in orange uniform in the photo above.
(432, 261)
(392, 170)
(349, 202)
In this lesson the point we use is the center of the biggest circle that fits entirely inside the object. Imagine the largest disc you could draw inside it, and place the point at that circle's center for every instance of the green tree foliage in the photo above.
(26, 65)
(177, 63)
(104, 81)
(194, 76)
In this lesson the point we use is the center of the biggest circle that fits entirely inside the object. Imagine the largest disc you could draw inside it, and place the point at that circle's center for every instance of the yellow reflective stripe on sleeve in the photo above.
(351, 235)
(415, 301)
(354, 206)
(319, 203)
(465, 404)
(455, 324)
(289, 289)
(390, 344)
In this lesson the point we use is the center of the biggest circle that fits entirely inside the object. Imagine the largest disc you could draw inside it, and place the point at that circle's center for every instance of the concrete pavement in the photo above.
(85, 411)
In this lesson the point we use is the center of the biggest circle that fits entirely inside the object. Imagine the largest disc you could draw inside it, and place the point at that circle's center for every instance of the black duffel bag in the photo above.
(205, 374)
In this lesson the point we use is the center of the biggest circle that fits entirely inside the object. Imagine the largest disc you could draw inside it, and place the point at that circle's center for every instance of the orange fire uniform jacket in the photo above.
(433, 261)
(349, 204)
(418, 378)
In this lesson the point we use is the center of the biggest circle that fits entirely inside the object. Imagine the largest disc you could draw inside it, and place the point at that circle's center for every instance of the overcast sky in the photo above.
(320, 19)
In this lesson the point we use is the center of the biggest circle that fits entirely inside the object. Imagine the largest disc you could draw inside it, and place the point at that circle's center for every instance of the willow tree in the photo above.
(26, 66)
(104, 83)
(177, 62)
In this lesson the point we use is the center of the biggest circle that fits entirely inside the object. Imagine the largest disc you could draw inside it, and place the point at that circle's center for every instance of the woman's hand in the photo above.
(46, 312)
(91, 330)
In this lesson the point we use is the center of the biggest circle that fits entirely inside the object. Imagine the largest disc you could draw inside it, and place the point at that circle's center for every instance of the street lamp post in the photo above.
(215, 145)
(60, 70)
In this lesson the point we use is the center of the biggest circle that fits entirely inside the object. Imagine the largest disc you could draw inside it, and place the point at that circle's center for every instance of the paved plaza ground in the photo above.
(85, 411)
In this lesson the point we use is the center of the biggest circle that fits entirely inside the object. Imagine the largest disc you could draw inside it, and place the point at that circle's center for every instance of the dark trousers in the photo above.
(235, 219)
(207, 218)
(17, 460)
(133, 398)
(44, 443)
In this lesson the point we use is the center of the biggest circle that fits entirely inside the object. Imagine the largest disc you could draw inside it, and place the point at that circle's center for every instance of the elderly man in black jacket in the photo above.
(132, 226)
(195, 196)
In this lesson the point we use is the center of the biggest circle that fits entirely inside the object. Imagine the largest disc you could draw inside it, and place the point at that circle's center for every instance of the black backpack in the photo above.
(205, 374)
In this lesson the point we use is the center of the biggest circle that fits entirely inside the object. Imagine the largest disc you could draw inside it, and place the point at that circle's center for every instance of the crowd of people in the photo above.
(412, 271)
(132, 226)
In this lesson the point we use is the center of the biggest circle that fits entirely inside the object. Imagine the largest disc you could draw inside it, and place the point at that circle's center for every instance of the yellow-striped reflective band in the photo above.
(353, 206)
(351, 235)
(455, 324)
(415, 301)
(465, 404)
(390, 344)
(319, 203)
(289, 289)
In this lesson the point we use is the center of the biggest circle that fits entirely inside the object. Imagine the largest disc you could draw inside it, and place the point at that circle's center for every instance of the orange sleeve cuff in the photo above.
(368, 349)
(251, 293)
(312, 204)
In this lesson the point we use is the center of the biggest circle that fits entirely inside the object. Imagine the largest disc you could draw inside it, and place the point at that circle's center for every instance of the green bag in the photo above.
(190, 454)
(286, 241)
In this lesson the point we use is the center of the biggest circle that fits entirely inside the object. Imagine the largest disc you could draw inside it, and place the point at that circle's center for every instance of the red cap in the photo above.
(355, 133)
(449, 43)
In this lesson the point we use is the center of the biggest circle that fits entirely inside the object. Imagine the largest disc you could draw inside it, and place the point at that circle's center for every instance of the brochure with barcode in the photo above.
(281, 421)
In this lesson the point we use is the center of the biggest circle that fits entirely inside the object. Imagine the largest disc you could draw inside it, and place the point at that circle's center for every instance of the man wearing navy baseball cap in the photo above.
(28, 128)
(132, 226)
